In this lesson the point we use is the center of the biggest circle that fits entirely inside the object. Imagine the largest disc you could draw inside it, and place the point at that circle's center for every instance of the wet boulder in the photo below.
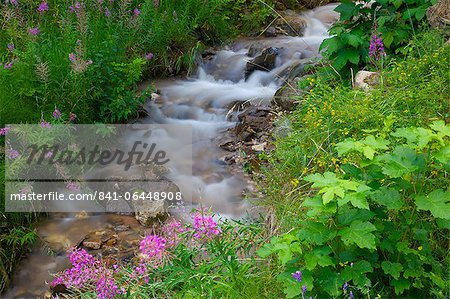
(263, 62)
(150, 212)
(285, 97)
(291, 23)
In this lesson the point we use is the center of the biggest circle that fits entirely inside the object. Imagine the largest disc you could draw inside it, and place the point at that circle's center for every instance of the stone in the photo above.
(291, 23)
(149, 212)
(95, 245)
(270, 32)
(284, 98)
(366, 80)
(263, 62)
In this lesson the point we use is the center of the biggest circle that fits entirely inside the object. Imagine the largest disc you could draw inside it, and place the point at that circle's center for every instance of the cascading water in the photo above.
(203, 102)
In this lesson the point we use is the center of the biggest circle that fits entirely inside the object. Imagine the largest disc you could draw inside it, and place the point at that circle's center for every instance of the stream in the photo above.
(207, 103)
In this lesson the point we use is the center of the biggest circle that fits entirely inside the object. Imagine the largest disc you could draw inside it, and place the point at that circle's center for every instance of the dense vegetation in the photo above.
(357, 193)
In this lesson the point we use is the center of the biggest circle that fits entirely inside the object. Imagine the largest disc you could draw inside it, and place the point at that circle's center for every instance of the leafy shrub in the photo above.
(380, 227)
(395, 20)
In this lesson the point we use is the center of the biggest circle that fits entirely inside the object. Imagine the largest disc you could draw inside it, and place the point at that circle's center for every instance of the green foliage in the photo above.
(386, 220)
(108, 41)
(395, 20)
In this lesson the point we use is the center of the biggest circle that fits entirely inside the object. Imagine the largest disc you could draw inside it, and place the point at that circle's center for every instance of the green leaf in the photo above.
(400, 285)
(315, 233)
(356, 272)
(330, 44)
(345, 55)
(418, 137)
(347, 215)
(330, 282)
(440, 127)
(359, 233)
(354, 40)
(437, 202)
(319, 256)
(397, 3)
(346, 10)
(265, 250)
(399, 162)
(388, 197)
(358, 200)
(393, 269)
(443, 155)
(319, 180)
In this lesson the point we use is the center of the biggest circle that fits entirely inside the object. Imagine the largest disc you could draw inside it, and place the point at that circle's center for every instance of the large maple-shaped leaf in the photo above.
(437, 202)
(388, 197)
(399, 162)
(393, 269)
(359, 233)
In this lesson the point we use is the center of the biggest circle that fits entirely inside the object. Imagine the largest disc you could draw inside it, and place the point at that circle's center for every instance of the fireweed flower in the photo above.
(49, 154)
(72, 116)
(136, 12)
(153, 247)
(106, 288)
(9, 65)
(107, 12)
(171, 232)
(56, 114)
(42, 7)
(34, 31)
(297, 275)
(13, 2)
(13, 154)
(72, 186)
(204, 225)
(376, 48)
(4, 131)
(45, 125)
(148, 56)
(10, 47)
(72, 57)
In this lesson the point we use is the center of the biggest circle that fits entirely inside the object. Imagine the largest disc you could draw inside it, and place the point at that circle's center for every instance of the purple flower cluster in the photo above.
(13, 2)
(106, 288)
(13, 154)
(153, 247)
(136, 12)
(43, 7)
(9, 65)
(72, 186)
(72, 116)
(297, 275)
(75, 8)
(10, 47)
(34, 31)
(171, 232)
(376, 48)
(57, 114)
(204, 225)
(148, 56)
(45, 125)
(72, 57)
(88, 271)
(4, 131)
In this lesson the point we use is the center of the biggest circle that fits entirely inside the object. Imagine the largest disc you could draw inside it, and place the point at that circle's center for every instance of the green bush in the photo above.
(394, 20)
(380, 226)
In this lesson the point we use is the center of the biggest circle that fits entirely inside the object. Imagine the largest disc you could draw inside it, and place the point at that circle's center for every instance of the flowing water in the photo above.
(203, 102)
